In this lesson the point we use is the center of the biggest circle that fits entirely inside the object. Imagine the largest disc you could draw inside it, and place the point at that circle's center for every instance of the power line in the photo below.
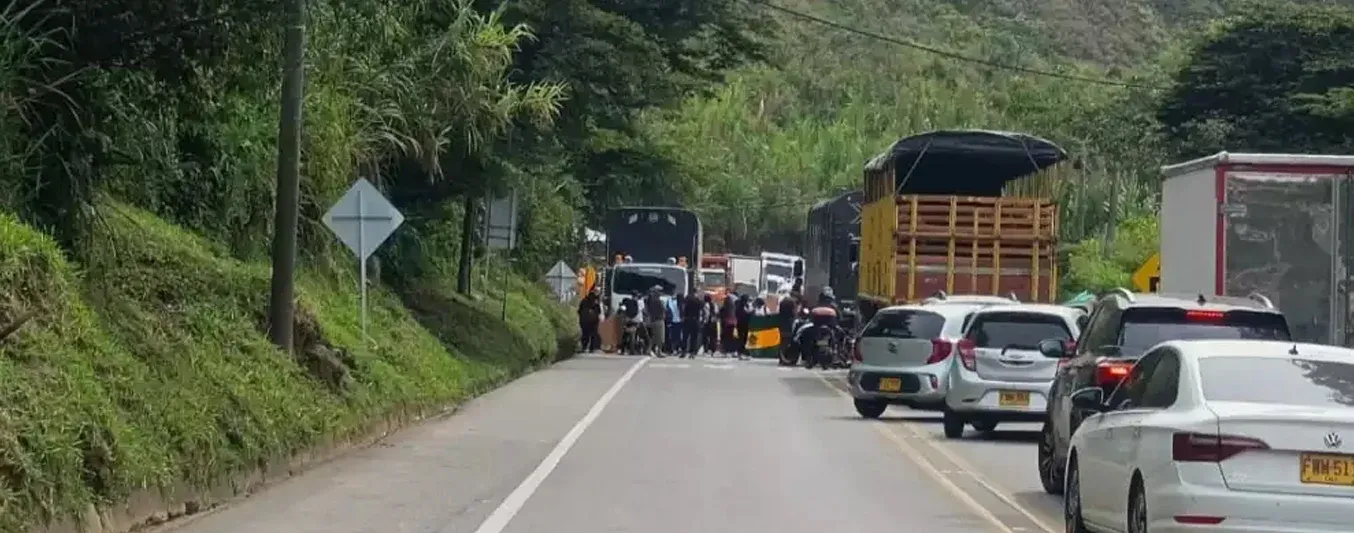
(946, 53)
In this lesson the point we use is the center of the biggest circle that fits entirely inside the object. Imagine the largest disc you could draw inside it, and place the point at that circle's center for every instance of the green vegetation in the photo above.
(777, 137)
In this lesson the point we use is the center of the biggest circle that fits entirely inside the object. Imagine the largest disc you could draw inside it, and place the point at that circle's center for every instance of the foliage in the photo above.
(1273, 78)
(1093, 266)
(774, 140)
(148, 369)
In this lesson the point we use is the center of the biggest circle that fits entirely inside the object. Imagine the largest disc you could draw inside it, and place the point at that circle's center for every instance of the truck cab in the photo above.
(635, 280)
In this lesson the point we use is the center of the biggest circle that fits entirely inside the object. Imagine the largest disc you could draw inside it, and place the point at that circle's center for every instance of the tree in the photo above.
(620, 58)
(1272, 78)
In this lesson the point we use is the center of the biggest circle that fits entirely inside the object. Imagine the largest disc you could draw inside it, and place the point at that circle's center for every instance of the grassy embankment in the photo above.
(147, 367)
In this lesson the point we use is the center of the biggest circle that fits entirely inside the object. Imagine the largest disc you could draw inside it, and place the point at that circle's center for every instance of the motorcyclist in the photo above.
(631, 323)
(823, 320)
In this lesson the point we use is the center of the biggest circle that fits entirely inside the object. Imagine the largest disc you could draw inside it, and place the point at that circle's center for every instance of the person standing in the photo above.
(589, 319)
(743, 314)
(729, 324)
(785, 319)
(693, 308)
(673, 307)
(655, 314)
(710, 326)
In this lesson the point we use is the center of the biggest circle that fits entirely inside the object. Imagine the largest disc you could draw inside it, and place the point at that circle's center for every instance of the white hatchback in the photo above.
(903, 356)
(1224, 436)
(999, 374)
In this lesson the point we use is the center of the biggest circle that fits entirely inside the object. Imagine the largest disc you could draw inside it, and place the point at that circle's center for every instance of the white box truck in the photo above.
(1277, 225)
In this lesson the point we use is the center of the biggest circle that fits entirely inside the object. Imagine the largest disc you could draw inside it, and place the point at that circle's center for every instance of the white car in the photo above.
(1223, 436)
(903, 357)
(999, 374)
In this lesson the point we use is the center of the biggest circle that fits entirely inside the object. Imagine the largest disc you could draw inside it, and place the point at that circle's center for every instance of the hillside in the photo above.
(782, 135)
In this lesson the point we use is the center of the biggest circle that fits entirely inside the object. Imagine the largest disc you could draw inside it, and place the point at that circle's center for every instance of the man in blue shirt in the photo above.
(674, 326)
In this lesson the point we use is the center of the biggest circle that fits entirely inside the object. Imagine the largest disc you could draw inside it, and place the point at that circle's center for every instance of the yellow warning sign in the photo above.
(1148, 276)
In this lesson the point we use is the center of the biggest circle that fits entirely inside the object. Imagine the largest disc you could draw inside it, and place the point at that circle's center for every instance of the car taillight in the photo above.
(940, 350)
(1206, 448)
(1199, 315)
(967, 355)
(855, 352)
(1110, 373)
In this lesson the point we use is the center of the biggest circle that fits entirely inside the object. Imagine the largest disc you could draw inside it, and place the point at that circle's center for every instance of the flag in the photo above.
(764, 336)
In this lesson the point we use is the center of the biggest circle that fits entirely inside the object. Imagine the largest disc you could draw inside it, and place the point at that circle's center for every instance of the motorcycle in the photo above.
(634, 338)
(824, 352)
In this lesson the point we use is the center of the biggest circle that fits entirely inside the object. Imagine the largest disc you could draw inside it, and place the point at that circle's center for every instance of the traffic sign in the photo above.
(363, 219)
(561, 278)
(1148, 276)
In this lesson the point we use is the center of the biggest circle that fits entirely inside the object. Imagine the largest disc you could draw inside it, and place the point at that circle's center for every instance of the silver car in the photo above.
(904, 357)
(999, 374)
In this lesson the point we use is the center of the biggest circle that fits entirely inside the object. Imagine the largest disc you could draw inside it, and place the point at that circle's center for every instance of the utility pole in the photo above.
(281, 298)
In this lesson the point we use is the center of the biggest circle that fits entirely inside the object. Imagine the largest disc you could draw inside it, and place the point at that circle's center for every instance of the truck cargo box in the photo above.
(922, 244)
(963, 211)
(1276, 224)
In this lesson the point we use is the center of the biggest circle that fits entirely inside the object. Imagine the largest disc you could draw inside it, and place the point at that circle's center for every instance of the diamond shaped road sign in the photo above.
(363, 219)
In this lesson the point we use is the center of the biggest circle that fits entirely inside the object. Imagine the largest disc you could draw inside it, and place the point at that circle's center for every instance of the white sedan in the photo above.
(1218, 436)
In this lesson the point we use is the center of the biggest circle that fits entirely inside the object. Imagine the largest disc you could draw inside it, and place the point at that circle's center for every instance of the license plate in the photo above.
(890, 384)
(822, 343)
(1323, 469)
(1014, 399)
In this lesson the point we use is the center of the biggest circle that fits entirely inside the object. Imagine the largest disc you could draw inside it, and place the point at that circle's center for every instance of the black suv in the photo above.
(1121, 328)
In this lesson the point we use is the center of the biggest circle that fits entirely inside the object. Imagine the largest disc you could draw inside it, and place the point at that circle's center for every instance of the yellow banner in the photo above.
(764, 338)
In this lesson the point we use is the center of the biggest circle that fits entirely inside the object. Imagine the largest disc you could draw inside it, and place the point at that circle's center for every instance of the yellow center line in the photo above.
(932, 442)
(996, 490)
(920, 460)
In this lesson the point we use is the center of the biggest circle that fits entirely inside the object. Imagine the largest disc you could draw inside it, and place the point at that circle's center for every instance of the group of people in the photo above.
(687, 326)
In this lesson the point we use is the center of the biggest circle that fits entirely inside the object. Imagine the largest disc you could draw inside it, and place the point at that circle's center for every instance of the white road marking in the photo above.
(498, 520)
(718, 367)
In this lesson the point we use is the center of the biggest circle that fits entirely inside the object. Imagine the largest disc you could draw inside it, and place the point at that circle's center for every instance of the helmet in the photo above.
(827, 291)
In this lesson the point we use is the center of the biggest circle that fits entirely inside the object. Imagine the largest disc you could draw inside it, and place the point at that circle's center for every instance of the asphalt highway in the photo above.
(627, 444)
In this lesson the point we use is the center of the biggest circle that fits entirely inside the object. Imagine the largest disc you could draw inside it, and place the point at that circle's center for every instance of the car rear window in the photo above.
(1301, 382)
(905, 325)
(1144, 328)
(1015, 329)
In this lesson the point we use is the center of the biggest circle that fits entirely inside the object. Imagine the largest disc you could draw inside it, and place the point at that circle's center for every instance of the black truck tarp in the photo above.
(653, 234)
(966, 162)
(833, 240)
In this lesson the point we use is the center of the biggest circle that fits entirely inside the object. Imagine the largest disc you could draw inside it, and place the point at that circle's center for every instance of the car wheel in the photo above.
(954, 425)
(1072, 502)
(871, 409)
(1137, 508)
(1050, 471)
(984, 426)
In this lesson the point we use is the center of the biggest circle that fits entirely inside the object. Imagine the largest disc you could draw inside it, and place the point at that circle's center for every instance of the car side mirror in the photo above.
(1053, 348)
(1090, 399)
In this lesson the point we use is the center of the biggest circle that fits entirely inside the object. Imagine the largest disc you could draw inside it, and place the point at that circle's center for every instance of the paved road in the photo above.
(1002, 463)
(621, 444)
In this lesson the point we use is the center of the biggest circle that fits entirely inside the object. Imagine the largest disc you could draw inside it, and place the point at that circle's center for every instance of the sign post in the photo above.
(500, 233)
(1148, 276)
(363, 219)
